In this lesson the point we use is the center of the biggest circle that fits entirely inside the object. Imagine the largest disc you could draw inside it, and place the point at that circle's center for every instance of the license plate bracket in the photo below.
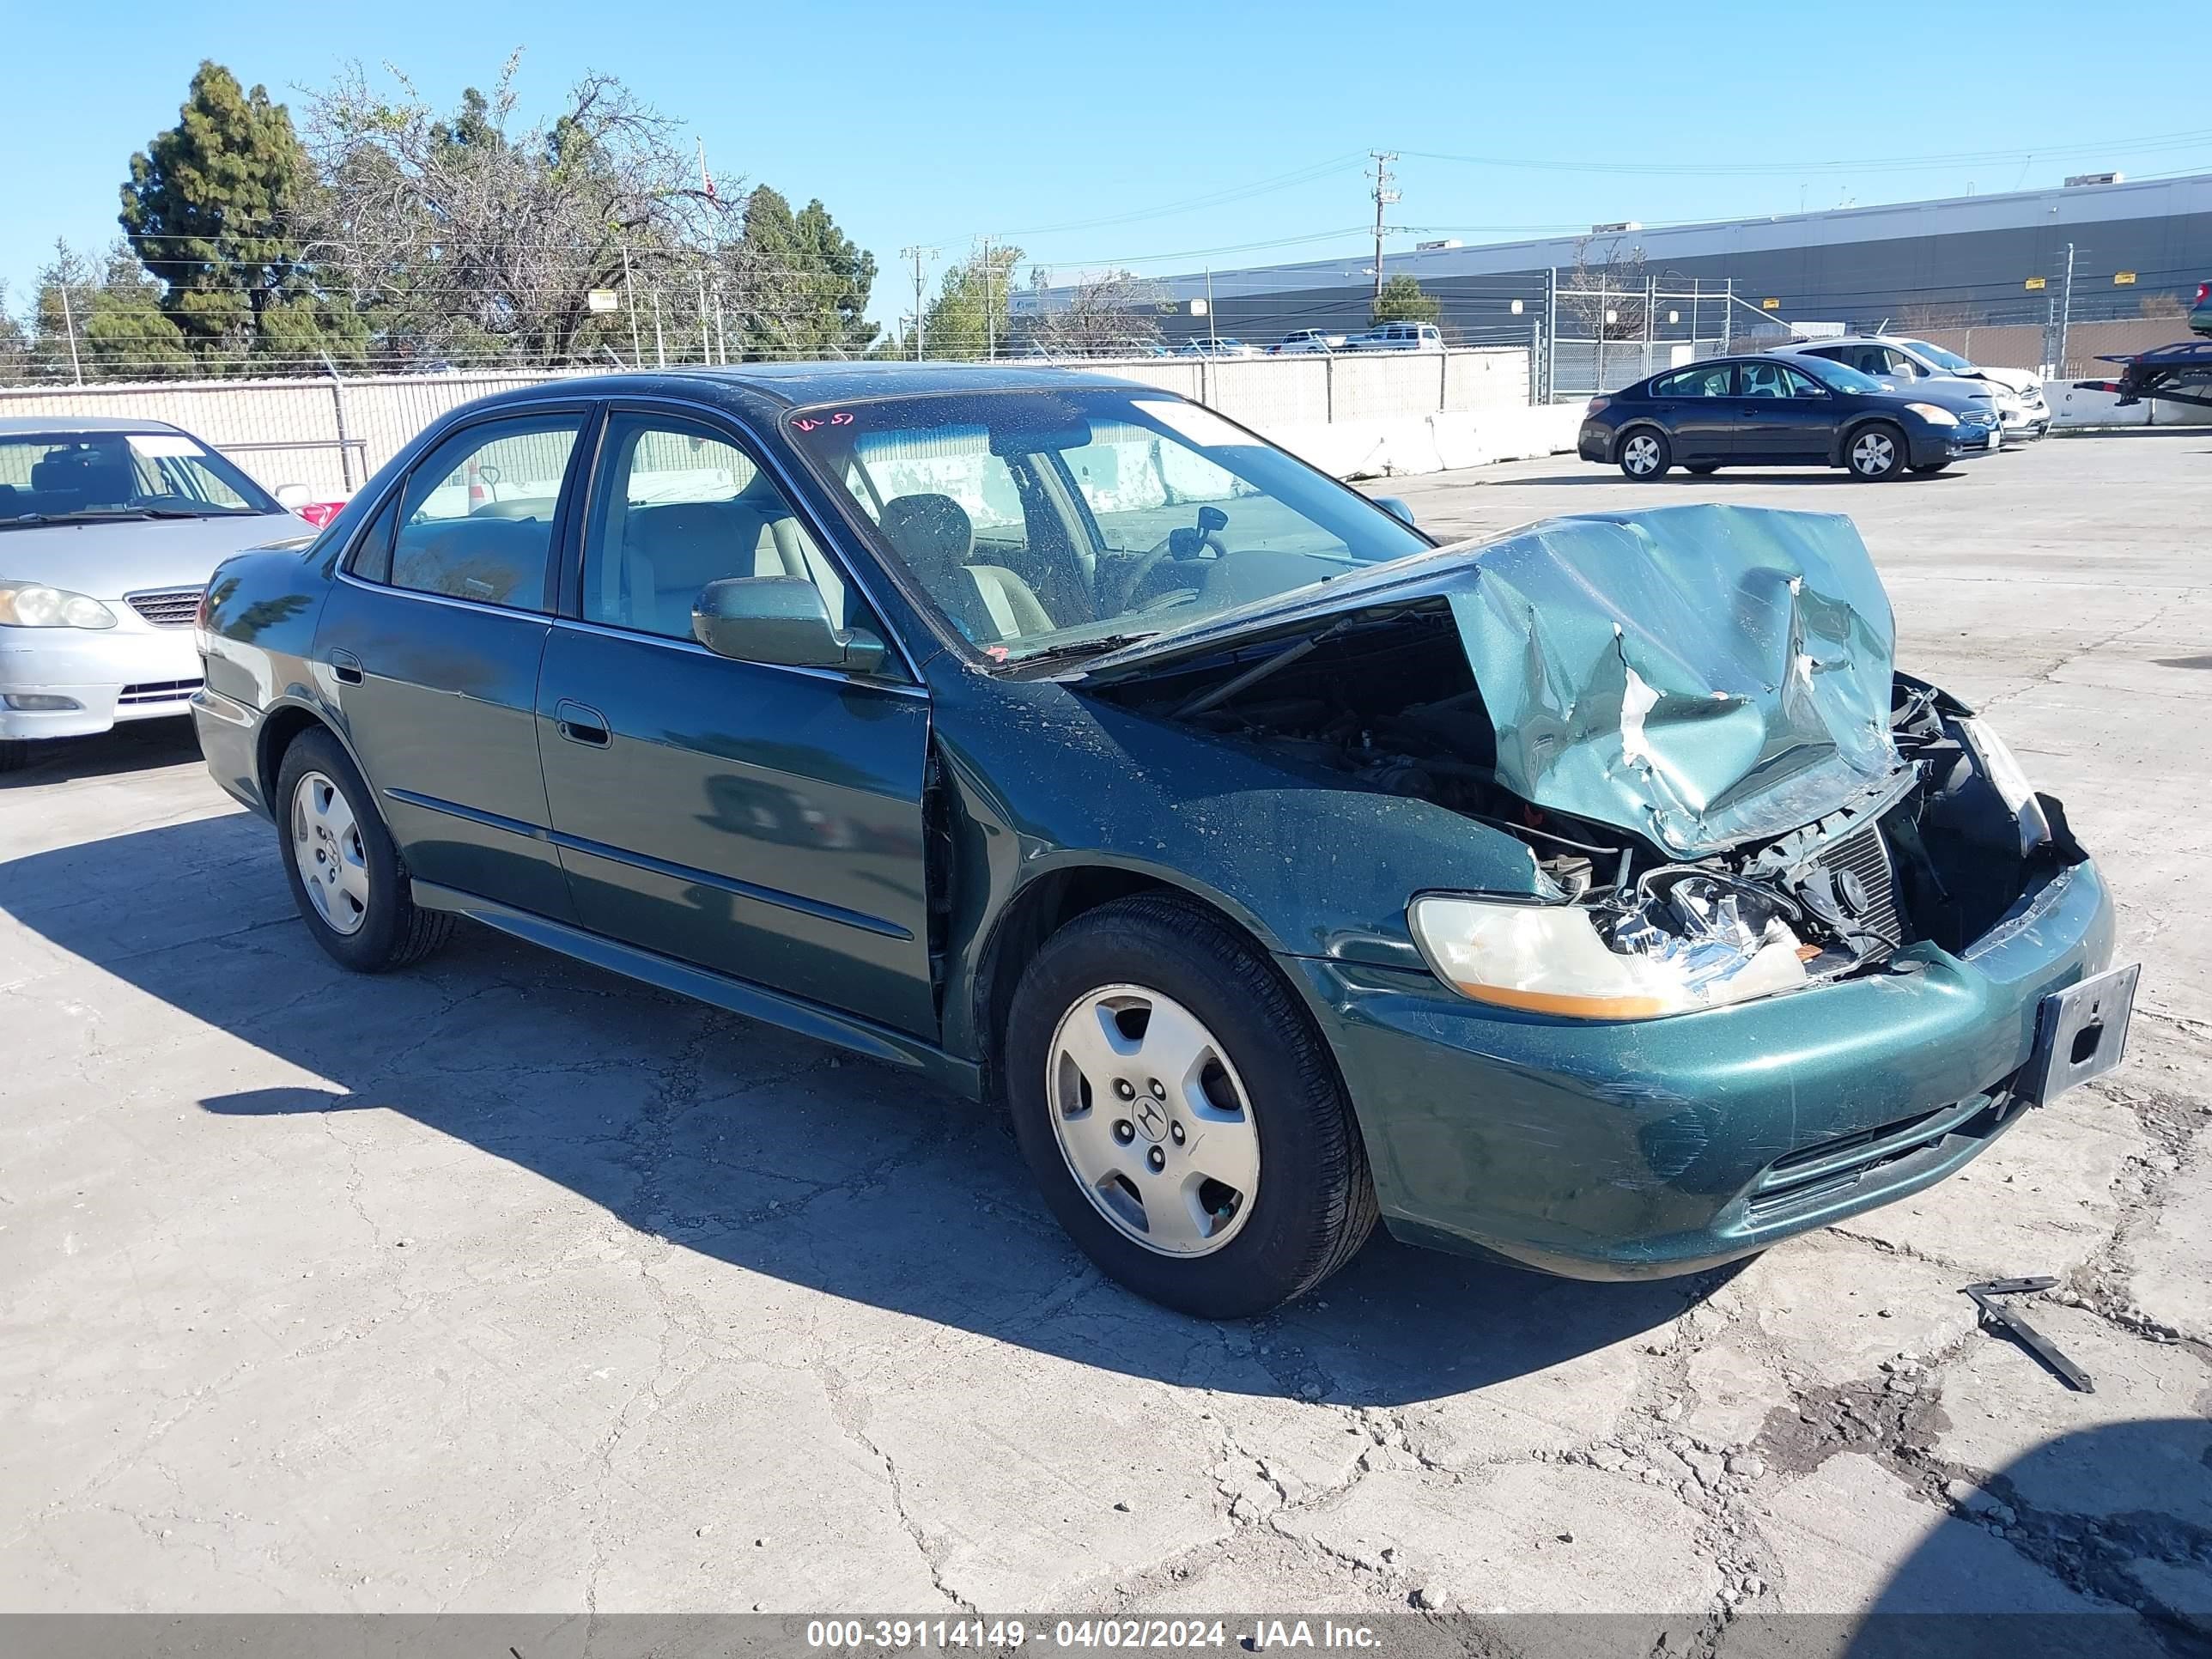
(2081, 1032)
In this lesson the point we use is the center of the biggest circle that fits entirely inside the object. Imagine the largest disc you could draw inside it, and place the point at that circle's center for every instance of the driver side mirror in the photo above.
(1397, 509)
(781, 621)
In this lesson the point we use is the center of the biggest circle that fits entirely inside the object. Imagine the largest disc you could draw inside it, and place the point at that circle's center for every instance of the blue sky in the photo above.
(1071, 128)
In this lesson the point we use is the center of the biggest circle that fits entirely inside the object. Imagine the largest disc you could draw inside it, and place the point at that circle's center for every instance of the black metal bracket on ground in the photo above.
(1996, 1315)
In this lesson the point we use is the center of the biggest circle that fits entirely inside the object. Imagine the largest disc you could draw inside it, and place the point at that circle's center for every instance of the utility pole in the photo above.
(706, 334)
(629, 294)
(2065, 309)
(69, 327)
(917, 254)
(1383, 196)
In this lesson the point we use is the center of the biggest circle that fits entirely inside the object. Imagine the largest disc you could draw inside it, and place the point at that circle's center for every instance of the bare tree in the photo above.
(459, 238)
(1114, 312)
(1606, 290)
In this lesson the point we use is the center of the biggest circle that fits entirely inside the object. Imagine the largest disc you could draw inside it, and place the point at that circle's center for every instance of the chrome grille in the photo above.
(157, 691)
(1866, 855)
(167, 607)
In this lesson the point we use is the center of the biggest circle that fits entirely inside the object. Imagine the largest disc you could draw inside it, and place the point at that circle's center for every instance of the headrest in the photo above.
(932, 534)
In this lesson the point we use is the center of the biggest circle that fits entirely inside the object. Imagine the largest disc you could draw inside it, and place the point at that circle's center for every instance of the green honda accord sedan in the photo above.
(1599, 897)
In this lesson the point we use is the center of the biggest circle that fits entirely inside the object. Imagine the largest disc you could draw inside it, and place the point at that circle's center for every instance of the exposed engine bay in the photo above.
(1936, 851)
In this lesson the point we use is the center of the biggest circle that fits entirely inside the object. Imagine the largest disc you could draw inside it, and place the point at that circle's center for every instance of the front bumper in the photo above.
(1930, 445)
(1641, 1150)
(129, 671)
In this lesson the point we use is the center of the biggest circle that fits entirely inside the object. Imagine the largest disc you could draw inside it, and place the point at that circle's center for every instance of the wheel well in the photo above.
(1852, 429)
(1620, 438)
(1039, 911)
(277, 733)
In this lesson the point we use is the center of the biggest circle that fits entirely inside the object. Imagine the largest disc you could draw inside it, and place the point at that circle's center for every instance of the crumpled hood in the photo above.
(2013, 380)
(1701, 675)
(1704, 675)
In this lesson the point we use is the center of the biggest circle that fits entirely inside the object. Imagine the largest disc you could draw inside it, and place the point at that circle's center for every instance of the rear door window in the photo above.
(1714, 380)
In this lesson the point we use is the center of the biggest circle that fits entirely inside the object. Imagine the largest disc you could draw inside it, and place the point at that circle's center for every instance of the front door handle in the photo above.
(345, 667)
(581, 723)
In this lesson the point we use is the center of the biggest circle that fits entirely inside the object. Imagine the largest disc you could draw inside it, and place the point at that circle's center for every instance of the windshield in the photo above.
(1056, 522)
(1839, 377)
(1935, 354)
(49, 476)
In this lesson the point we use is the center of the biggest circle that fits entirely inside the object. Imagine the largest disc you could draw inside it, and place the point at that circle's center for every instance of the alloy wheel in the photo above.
(1641, 452)
(1872, 455)
(1153, 1120)
(327, 849)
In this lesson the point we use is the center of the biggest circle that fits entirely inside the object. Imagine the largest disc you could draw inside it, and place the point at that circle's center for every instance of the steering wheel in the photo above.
(1185, 543)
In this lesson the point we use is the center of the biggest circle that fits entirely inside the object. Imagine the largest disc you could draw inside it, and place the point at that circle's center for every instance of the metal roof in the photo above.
(2059, 207)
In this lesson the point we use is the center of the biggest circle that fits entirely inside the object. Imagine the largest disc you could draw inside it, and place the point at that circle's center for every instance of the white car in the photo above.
(109, 531)
(2016, 393)
(1398, 337)
(1307, 339)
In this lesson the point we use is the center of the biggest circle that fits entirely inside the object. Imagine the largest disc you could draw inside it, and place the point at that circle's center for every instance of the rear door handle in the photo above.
(581, 723)
(345, 667)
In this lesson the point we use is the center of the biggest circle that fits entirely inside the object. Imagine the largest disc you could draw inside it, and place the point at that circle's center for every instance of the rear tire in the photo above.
(1876, 452)
(1702, 469)
(1932, 469)
(1152, 989)
(346, 874)
(1645, 454)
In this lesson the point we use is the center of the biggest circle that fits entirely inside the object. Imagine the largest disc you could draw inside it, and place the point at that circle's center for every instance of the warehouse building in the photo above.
(2137, 245)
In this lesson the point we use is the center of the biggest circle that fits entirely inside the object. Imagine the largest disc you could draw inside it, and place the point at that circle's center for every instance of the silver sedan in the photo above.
(108, 532)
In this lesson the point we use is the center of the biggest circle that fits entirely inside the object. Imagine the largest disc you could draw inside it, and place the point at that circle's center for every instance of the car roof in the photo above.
(795, 383)
(13, 426)
(1906, 341)
(791, 385)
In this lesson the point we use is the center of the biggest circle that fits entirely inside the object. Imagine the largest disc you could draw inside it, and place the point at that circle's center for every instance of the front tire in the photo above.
(1932, 469)
(1645, 455)
(1877, 452)
(1184, 1120)
(346, 874)
(1702, 469)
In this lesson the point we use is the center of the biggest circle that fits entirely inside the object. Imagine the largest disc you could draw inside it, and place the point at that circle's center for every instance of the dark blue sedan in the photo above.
(1764, 411)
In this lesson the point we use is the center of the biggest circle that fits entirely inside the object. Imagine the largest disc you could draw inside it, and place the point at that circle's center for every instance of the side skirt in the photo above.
(738, 996)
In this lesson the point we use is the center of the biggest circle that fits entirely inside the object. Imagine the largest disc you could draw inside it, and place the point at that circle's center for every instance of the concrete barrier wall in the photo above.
(1372, 410)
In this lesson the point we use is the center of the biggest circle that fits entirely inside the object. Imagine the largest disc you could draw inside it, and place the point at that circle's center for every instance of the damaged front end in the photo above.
(1692, 720)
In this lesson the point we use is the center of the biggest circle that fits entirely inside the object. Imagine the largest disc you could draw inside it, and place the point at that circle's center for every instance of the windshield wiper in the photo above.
(1079, 648)
(113, 514)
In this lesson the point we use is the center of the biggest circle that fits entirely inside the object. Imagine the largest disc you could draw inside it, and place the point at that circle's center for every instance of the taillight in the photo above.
(206, 609)
(1596, 404)
(2203, 292)
(319, 514)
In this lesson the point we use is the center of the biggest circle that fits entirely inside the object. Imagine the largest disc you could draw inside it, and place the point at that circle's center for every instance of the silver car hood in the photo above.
(1702, 676)
(108, 558)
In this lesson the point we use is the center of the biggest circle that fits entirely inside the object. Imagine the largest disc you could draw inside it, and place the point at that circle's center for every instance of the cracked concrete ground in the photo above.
(504, 1284)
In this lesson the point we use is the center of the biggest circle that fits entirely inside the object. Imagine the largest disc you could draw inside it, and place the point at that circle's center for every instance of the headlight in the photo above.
(2004, 774)
(30, 605)
(1934, 414)
(1550, 959)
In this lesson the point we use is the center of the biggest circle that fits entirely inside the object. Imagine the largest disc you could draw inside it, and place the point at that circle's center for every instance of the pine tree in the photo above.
(1403, 300)
(211, 210)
